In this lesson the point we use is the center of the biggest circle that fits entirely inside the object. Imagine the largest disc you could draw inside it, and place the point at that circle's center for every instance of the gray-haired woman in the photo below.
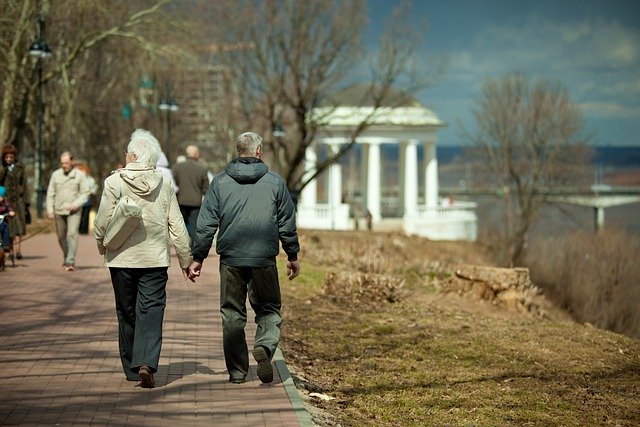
(139, 267)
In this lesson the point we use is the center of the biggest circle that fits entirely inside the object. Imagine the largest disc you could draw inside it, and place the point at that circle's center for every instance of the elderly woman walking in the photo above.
(13, 177)
(139, 267)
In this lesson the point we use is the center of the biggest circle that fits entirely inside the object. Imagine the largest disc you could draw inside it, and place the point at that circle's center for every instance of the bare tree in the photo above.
(529, 139)
(287, 58)
(100, 54)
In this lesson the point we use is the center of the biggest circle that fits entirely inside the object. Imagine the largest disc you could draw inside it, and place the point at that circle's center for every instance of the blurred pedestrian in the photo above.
(13, 177)
(67, 192)
(86, 208)
(252, 211)
(6, 212)
(163, 166)
(191, 178)
(139, 267)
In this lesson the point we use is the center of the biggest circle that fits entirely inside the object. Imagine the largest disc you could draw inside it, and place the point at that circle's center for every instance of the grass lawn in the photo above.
(400, 352)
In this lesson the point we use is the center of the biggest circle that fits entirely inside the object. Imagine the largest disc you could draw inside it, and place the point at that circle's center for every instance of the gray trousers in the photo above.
(263, 288)
(140, 302)
(67, 229)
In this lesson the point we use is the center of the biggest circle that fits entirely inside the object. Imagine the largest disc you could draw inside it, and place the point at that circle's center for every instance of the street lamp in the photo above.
(40, 50)
(170, 106)
(278, 131)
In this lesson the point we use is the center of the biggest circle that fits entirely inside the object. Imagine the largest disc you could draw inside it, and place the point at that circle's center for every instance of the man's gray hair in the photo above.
(247, 144)
(145, 146)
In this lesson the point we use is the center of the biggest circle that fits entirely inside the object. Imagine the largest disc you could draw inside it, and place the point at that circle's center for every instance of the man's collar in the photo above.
(246, 160)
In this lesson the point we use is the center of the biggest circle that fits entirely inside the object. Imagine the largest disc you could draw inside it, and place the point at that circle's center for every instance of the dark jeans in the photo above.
(4, 234)
(190, 216)
(263, 288)
(140, 301)
(84, 220)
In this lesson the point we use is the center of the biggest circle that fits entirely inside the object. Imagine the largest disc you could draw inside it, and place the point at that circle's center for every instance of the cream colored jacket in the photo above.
(162, 223)
(67, 192)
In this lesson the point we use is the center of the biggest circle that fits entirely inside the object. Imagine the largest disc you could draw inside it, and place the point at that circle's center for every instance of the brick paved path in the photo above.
(59, 359)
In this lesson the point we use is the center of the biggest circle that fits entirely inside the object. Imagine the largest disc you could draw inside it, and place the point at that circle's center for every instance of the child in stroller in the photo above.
(5, 242)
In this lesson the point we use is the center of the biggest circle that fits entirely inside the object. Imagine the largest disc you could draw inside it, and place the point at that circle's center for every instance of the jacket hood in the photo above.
(246, 170)
(141, 179)
(163, 162)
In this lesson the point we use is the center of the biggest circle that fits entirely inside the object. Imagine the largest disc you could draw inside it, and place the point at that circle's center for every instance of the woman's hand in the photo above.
(185, 274)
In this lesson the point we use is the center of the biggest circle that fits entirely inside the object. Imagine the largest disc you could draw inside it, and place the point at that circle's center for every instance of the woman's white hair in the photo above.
(145, 146)
(247, 144)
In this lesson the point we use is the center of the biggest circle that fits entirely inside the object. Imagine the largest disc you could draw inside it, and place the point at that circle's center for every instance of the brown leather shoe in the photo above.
(146, 377)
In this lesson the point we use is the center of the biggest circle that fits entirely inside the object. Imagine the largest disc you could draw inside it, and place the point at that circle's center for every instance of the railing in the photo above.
(552, 191)
(323, 216)
(457, 221)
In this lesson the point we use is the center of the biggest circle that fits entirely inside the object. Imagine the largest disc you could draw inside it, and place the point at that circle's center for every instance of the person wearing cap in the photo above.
(68, 190)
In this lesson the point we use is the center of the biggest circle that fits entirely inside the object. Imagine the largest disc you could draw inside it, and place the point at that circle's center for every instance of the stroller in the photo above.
(4, 249)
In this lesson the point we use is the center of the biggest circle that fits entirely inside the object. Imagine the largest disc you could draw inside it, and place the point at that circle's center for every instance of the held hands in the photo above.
(192, 271)
(293, 269)
(185, 274)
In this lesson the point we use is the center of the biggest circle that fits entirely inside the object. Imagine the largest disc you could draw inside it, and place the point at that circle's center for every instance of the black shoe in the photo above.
(146, 377)
(265, 371)
(237, 380)
(19, 255)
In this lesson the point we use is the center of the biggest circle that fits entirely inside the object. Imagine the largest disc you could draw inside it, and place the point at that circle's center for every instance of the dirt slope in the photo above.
(393, 330)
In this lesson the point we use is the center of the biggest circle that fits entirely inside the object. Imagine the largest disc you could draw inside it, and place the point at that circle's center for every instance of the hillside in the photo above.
(394, 331)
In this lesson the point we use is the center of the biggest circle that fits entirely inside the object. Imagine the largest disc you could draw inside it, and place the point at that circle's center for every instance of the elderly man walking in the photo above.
(68, 190)
(191, 178)
(252, 211)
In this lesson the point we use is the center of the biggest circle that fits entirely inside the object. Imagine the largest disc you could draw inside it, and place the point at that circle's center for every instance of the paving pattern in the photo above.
(59, 352)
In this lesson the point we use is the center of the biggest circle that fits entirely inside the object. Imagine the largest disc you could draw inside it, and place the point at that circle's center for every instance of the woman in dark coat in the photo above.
(13, 177)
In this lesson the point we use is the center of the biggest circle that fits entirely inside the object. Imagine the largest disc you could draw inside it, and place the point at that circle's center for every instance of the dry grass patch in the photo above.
(431, 359)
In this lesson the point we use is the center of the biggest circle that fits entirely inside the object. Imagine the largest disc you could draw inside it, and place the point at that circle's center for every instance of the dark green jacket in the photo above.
(252, 211)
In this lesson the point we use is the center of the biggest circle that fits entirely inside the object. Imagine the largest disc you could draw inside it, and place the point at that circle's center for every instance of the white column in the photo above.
(364, 162)
(410, 178)
(430, 174)
(335, 180)
(374, 182)
(402, 171)
(308, 196)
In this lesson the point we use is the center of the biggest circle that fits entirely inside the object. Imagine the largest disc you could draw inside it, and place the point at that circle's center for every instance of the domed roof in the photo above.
(359, 95)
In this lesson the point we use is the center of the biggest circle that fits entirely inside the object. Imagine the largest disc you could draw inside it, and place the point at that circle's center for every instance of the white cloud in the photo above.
(597, 60)
(609, 110)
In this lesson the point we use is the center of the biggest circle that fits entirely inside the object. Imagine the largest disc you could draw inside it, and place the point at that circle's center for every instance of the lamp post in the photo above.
(40, 50)
(170, 106)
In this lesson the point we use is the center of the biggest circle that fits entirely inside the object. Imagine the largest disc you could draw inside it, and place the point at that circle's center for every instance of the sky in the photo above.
(591, 46)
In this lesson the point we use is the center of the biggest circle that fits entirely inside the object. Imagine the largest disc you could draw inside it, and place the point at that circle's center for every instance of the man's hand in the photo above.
(194, 270)
(293, 269)
(185, 274)
(51, 215)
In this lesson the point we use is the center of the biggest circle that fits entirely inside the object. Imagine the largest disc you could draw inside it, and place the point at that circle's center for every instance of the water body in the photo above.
(609, 163)
(454, 170)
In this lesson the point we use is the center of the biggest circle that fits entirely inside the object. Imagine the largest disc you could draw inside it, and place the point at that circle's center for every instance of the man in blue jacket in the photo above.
(252, 211)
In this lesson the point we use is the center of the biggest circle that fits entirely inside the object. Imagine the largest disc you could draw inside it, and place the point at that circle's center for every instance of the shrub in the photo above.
(595, 277)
